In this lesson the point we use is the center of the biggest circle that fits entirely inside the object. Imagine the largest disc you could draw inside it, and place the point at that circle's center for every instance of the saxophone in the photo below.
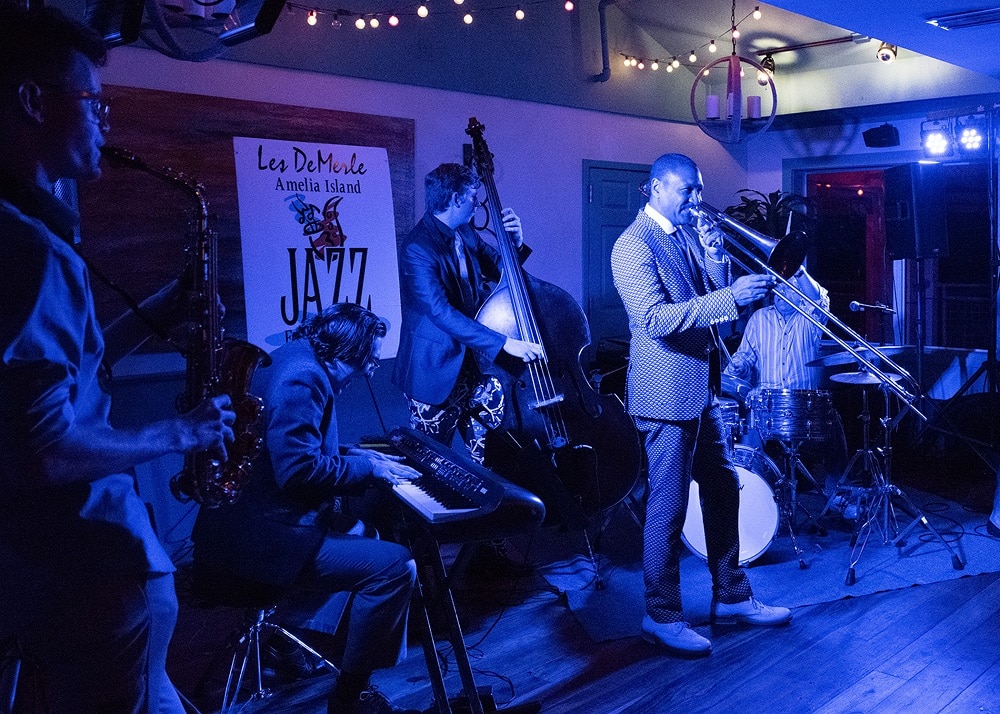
(215, 365)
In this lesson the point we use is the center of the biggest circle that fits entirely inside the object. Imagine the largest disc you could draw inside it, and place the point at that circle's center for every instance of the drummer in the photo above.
(776, 346)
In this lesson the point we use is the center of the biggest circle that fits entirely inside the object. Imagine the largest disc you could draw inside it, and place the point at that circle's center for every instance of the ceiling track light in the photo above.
(886, 52)
(763, 78)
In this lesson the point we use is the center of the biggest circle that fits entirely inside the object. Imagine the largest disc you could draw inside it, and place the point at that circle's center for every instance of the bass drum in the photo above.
(758, 507)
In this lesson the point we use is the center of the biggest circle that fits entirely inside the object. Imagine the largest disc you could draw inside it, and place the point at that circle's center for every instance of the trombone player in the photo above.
(675, 280)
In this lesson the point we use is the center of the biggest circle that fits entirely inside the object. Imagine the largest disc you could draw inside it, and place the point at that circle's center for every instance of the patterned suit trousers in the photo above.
(678, 451)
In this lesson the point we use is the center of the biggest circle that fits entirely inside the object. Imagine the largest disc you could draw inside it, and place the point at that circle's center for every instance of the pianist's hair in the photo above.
(343, 331)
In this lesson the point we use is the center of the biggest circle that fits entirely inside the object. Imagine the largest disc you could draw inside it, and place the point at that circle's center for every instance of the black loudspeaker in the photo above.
(916, 223)
(881, 136)
(118, 21)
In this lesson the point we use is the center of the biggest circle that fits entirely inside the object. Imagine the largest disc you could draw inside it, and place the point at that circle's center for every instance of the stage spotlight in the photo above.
(970, 135)
(768, 64)
(886, 52)
(936, 138)
(250, 19)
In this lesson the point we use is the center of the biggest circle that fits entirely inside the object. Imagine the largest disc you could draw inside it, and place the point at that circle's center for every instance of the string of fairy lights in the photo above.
(420, 11)
(672, 63)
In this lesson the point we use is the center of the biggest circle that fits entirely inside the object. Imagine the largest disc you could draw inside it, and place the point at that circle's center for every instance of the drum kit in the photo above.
(789, 417)
(793, 418)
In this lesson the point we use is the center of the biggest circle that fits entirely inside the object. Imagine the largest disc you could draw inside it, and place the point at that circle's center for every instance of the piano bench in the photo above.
(218, 588)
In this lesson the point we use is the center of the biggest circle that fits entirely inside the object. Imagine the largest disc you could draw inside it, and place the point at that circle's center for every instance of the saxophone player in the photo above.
(87, 589)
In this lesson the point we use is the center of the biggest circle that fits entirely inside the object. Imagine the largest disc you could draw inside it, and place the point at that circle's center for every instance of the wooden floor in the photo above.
(931, 648)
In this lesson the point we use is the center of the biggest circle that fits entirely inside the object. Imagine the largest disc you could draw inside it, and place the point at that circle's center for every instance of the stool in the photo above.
(10, 672)
(260, 601)
(18, 676)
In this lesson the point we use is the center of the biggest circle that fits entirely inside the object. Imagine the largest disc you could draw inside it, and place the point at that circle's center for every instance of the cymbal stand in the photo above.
(875, 509)
(788, 502)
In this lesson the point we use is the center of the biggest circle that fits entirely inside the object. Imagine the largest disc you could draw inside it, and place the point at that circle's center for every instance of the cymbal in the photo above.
(838, 358)
(861, 378)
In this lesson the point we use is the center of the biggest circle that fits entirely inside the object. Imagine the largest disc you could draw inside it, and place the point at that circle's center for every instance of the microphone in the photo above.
(856, 306)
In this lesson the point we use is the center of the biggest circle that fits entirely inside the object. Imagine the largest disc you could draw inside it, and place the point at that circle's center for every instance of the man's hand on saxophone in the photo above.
(209, 426)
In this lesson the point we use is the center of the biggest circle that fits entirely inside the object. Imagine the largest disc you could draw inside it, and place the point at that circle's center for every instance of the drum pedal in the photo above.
(849, 503)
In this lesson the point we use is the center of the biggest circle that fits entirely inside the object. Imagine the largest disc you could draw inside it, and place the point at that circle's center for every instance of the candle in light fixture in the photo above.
(753, 106)
(712, 106)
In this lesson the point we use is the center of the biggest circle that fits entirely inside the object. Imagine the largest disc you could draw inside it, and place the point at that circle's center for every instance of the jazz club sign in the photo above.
(317, 228)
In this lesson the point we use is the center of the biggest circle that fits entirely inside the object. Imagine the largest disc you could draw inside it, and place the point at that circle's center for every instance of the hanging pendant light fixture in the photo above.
(719, 109)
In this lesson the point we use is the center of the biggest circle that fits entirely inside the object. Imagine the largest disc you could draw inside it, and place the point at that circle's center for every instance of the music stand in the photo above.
(874, 504)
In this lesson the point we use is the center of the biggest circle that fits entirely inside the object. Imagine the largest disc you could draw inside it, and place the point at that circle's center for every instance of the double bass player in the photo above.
(445, 268)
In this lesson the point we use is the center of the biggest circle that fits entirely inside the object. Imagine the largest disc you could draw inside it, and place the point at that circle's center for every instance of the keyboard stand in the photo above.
(433, 595)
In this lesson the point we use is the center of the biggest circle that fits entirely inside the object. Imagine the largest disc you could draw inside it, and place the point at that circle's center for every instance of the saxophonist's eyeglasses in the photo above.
(101, 106)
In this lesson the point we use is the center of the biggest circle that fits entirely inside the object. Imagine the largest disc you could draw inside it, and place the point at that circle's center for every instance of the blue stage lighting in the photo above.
(971, 135)
(937, 139)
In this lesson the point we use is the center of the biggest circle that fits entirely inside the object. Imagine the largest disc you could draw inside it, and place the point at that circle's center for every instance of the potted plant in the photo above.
(774, 214)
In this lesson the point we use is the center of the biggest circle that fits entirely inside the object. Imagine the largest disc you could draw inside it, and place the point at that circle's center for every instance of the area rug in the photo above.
(611, 606)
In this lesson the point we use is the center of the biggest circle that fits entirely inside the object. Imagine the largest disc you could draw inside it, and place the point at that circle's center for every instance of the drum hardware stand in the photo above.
(788, 502)
(869, 466)
(874, 507)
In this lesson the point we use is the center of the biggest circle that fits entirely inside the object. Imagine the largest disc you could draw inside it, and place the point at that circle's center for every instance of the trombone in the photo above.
(784, 258)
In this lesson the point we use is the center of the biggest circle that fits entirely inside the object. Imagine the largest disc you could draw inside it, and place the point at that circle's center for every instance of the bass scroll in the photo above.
(215, 365)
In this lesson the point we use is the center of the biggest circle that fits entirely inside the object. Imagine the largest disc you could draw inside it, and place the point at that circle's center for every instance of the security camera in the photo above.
(886, 52)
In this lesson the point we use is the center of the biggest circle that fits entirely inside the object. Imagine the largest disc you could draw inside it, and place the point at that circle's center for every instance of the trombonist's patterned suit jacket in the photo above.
(674, 297)
(670, 317)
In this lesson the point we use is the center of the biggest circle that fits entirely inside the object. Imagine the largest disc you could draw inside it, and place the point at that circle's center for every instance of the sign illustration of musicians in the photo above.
(316, 228)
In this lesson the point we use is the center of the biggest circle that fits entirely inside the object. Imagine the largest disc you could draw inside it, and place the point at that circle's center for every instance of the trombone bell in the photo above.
(784, 257)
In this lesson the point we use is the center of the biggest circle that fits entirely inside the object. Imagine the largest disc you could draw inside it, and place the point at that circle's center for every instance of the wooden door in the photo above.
(611, 201)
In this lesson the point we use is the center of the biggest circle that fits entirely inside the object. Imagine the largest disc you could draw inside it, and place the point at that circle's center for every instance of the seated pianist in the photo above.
(287, 531)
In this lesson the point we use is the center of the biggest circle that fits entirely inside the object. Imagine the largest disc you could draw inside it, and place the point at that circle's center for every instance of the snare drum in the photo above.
(758, 507)
(791, 414)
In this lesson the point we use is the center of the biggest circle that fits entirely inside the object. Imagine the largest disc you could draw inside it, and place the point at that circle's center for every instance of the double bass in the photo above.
(577, 449)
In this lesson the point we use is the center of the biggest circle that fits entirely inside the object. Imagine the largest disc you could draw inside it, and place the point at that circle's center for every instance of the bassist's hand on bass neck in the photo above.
(512, 224)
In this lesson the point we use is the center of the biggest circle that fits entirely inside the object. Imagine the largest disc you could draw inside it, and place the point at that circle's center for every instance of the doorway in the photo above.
(852, 257)
(611, 202)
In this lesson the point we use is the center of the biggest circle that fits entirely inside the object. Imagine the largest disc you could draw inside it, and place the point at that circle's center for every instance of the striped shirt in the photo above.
(775, 350)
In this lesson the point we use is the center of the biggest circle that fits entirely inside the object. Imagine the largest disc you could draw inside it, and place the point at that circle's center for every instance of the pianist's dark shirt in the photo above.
(274, 529)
